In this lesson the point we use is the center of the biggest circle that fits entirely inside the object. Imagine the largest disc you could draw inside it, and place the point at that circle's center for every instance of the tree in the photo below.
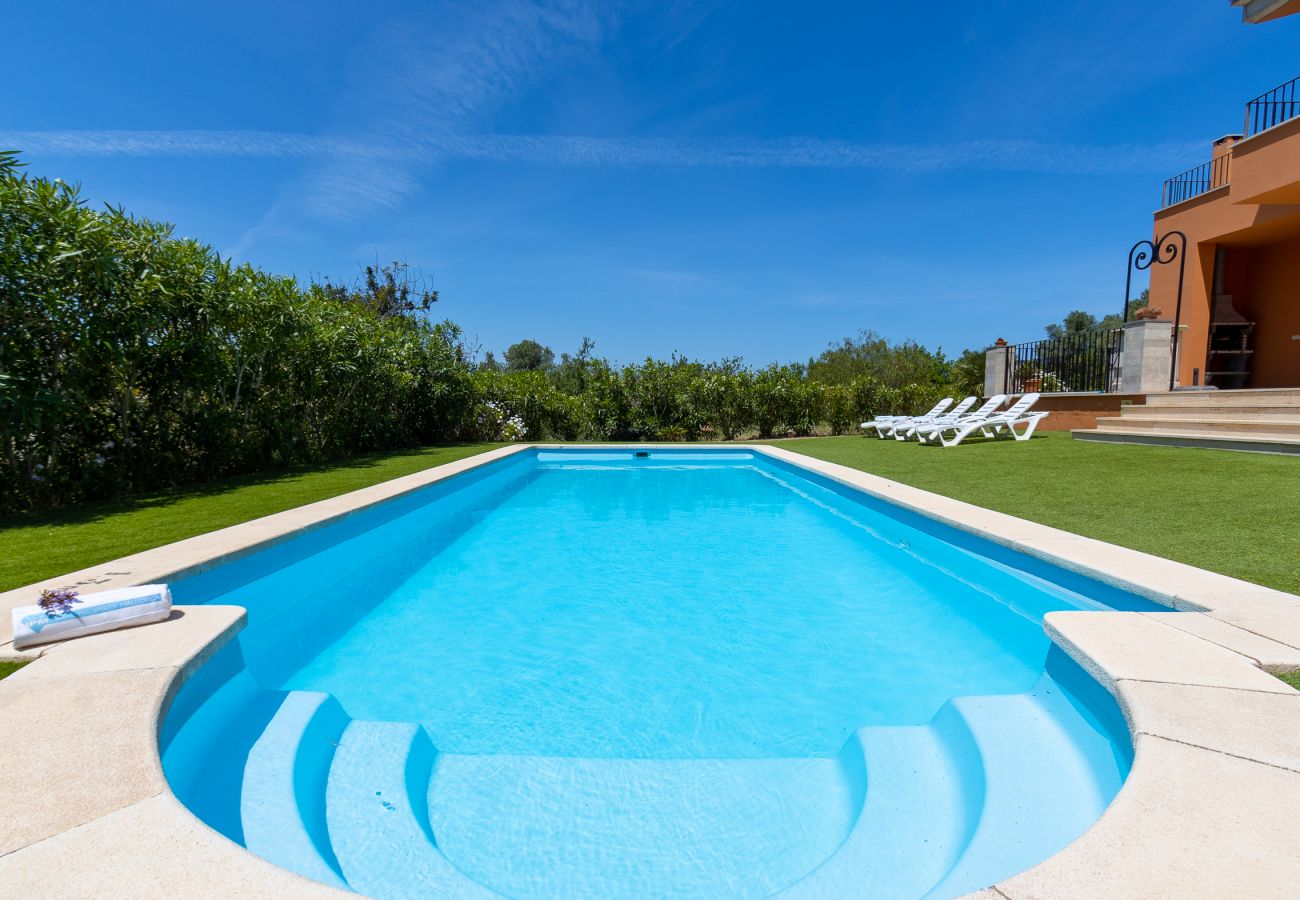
(529, 356)
(1079, 321)
(893, 365)
(389, 290)
(575, 370)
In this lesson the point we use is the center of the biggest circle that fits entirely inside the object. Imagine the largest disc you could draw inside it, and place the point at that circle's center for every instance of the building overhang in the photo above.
(1254, 11)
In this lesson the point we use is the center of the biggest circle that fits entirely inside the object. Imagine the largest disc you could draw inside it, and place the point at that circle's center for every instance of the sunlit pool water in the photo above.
(706, 673)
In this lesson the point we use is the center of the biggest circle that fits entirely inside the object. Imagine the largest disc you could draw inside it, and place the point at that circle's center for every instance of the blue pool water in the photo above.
(697, 673)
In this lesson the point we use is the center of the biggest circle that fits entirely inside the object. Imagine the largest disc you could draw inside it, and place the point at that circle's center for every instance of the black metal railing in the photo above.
(1085, 361)
(1273, 108)
(1194, 182)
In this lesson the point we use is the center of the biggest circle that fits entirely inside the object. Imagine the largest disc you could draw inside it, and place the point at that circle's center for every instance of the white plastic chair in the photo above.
(1017, 414)
(932, 428)
(901, 431)
(881, 423)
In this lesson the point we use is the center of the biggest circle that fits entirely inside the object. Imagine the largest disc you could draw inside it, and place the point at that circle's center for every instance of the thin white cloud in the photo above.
(349, 159)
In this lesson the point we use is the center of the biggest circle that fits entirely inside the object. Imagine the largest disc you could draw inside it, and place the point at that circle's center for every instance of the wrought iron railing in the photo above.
(1273, 107)
(1084, 361)
(1194, 182)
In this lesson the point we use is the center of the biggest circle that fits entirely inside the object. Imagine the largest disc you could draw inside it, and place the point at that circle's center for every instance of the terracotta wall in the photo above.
(1272, 300)
(1069, 411)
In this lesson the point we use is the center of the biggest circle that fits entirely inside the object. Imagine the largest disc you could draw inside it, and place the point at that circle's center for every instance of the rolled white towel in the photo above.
(102, 611)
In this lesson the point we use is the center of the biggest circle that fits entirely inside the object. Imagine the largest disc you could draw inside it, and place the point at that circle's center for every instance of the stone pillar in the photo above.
(995, 368)
(1147, 356)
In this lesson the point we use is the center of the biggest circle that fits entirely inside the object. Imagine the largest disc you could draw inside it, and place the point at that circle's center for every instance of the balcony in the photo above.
(1265, 113)
(1197, 181)
(1272, 108)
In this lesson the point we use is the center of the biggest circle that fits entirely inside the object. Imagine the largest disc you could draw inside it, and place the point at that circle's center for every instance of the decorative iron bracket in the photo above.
(1162, 251)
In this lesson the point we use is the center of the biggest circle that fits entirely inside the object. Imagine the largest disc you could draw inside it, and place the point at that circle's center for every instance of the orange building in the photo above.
(1240, 211)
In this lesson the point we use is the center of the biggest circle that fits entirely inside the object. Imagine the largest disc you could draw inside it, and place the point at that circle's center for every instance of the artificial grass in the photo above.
(1291, 678)
(1234, 513)
(43, 545)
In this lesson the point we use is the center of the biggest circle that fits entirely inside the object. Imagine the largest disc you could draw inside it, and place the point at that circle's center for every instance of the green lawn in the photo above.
(40, 546)
(1235, 513)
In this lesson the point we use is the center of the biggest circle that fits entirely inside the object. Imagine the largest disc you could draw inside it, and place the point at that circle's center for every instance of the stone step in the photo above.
(1236, 425)
(1273, 397)
(1213, 411)
(1206, 440)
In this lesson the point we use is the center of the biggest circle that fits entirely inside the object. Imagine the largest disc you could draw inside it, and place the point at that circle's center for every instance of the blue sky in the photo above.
(712, 178)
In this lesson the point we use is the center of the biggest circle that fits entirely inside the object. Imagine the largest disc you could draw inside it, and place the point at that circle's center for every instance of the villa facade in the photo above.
(1240, 212)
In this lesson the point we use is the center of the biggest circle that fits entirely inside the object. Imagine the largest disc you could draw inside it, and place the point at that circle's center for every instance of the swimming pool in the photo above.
(596, 672)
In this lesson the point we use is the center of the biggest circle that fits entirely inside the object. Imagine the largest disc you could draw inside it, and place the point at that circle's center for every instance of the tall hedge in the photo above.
(131, 359)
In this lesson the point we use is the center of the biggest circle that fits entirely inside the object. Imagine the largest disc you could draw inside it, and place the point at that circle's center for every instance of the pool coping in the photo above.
(1208, 807)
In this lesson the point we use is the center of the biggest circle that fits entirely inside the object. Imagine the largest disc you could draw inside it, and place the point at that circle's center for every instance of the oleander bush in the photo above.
(133, 359)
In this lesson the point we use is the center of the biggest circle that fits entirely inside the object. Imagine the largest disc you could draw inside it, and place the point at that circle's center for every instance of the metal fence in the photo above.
(1085, 361)
(1272, 108)
(1194, 182)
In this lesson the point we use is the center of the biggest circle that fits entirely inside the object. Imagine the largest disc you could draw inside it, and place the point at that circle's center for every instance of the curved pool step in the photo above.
(282, 800)
(203, 757)
(378, 819)
(923, 796)
(571, 827)
(1047, 773)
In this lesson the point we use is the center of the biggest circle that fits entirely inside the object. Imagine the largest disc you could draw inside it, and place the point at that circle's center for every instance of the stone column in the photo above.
(1147, 356)
(995, 368)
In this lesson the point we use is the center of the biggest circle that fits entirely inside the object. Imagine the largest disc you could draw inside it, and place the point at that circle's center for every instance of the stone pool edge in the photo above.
(1207, 810)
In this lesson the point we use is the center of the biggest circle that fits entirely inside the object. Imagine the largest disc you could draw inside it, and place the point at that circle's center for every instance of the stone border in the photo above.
(1208, 810)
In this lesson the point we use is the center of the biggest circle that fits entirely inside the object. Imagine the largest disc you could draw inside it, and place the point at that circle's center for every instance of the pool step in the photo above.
(1047, 776)
(920, 807)
(534, 827)
(282, 805)
(378, 819)
(204, 759)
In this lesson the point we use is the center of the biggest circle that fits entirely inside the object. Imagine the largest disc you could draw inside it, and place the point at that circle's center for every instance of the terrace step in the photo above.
(1047, 776)
(1212, 410)
(554, 826)
(1235, 425)
(921, 804)
(1260, 421)
(282, 805)
(1239, 399)
(378, 818)
(1207, 440)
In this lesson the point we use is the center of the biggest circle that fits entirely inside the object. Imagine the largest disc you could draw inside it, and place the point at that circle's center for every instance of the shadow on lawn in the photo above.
(98, 510)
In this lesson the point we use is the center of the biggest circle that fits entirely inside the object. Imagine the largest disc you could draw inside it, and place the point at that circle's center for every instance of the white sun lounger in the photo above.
(1017, 414)
(900, 430)
(953, 418)
(880, 423)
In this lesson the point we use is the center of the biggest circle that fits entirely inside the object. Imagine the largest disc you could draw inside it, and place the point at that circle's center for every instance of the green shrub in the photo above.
(131, 359)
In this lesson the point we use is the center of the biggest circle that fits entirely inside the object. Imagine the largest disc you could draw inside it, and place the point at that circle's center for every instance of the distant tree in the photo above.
(389, 290)
(1080, 321)
(489, 363)
(967, 372)
(893, 365)
(575, 370)
(529, 356)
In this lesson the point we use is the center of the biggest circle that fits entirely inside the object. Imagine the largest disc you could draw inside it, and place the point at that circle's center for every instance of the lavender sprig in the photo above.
(58, 602)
